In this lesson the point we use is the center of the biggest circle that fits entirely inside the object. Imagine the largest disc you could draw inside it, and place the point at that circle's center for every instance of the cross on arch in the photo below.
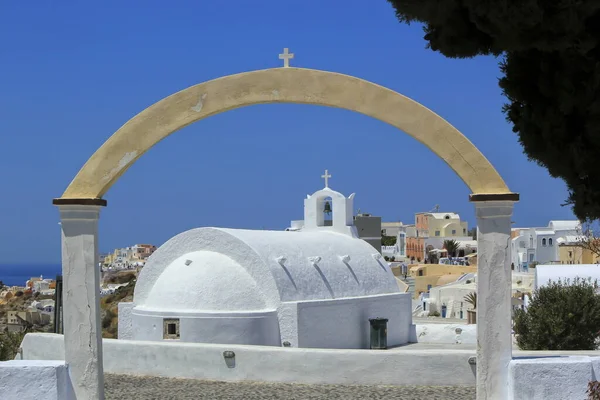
(286, 56)
(326, 177)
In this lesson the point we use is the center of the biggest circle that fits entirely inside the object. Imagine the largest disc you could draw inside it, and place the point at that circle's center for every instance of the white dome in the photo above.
(244, 270)
(204, 281)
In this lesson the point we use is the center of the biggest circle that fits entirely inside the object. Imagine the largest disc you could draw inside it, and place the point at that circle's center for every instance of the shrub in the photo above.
(9, 344)
(561, 316)
(434, 314)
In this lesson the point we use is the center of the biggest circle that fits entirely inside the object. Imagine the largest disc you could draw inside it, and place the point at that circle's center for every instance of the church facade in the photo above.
(315, 287)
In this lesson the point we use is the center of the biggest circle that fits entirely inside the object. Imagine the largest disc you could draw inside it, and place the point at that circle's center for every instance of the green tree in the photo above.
(388, 240)
(10, 343)
(550, 60)
(451, 247)
(560, 316)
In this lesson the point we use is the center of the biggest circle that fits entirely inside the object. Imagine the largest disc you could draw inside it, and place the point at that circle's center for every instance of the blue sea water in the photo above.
(18, 274)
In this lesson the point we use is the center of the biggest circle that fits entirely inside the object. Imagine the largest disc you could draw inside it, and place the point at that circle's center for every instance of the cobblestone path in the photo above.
(128, 387)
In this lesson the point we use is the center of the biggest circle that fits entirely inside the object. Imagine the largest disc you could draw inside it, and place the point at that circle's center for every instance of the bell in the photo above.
(327, 209)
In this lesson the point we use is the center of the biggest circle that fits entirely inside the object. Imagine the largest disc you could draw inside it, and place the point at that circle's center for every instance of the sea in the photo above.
(18, 274)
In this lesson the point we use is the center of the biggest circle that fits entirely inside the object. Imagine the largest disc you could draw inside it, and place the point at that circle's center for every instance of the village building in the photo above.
(432, 229)
(541, 245)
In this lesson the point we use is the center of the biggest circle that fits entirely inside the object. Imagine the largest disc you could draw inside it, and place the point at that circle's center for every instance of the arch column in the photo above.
(81, 295)
(494, 283)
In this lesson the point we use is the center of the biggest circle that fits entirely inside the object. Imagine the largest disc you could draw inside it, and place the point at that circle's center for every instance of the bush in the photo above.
(434, 314)
(9, 344)
(561, 316)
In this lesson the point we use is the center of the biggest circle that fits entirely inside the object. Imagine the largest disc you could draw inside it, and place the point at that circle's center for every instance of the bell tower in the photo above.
(329, 202)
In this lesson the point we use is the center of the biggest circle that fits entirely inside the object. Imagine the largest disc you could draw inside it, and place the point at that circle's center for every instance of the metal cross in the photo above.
(326, 177)
(286, 56)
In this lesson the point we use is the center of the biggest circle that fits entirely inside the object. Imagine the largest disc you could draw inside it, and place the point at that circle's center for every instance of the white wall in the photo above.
(257, 328)
(271, 364)
(125, 326)
(35, 380)
(552, 378)
(443, 366)
(344, 323)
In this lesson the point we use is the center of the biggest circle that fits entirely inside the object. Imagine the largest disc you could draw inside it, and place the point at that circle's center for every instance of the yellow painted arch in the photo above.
(282, 85)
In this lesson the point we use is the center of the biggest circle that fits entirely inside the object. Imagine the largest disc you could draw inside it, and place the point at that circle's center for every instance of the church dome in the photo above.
(204, 281)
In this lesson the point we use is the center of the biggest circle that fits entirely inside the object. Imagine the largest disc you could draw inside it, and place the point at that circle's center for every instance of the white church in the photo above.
(314, 287)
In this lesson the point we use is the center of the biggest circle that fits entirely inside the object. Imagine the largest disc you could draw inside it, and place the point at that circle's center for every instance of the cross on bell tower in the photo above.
(326, 177)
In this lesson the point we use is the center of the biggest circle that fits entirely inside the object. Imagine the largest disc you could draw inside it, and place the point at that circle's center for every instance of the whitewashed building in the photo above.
(540, 245)
(315, 287)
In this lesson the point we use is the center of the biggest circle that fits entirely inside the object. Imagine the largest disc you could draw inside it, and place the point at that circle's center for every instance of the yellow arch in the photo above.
(283, 85)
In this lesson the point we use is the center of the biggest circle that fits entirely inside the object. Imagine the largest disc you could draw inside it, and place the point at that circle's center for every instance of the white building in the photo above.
(316, 287)
(540, 245)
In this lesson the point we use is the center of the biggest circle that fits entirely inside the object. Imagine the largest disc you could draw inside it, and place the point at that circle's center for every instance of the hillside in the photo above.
(109, 305)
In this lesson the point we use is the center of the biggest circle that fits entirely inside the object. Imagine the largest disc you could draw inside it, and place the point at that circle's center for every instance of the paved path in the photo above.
(127, 387)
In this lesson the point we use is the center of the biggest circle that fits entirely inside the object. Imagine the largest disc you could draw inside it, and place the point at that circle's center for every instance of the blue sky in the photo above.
(73, 72)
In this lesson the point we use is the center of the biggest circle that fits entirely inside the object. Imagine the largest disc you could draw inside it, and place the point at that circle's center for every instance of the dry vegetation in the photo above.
(109, 305)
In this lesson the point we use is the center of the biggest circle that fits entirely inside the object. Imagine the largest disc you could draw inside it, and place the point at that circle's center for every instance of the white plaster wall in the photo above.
(546, 273)
(272, 364)
(447, 333)
(255, 328)
(344, 323)
(553, 378)
(35, 380)
(546, 253)
(125, 327)
(288, 323)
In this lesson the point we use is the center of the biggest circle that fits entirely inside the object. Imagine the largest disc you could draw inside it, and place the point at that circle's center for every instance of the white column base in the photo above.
(494, 283)
(81, 299)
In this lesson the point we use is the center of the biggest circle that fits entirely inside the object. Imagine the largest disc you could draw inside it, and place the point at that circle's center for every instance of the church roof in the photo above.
(275, 266)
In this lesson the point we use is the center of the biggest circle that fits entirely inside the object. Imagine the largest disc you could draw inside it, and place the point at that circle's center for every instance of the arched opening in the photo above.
(326, 207)
(82, 197)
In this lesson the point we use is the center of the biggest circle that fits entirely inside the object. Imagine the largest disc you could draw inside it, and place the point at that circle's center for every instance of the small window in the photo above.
(454, 231)
(447, 217)
(171, 328)
(570, 254)
(543, 242)
(531, 257)
(464, 231)
(550, 242)
(437, 233)
(420, 272)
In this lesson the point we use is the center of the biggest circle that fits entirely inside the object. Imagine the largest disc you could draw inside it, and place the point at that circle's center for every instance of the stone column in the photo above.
(81, 296)
(494, 281)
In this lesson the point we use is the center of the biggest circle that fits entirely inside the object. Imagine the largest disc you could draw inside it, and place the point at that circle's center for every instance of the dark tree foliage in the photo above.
(561, 316)
(388, 240)
(551, 66)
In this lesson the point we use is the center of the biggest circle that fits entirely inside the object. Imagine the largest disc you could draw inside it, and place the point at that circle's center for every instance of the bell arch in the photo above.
(282, 85)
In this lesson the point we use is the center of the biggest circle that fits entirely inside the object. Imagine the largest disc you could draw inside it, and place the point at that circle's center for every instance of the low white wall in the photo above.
(344, 323)
(125, 326)
(35, 380)
(447, 333)
(271, 364)
(552, 378)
